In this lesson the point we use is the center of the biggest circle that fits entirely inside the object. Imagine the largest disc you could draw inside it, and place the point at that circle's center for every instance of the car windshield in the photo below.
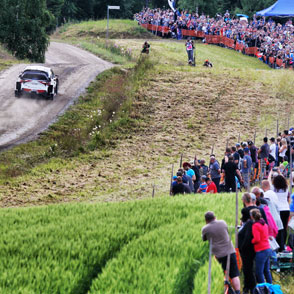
(31, 75)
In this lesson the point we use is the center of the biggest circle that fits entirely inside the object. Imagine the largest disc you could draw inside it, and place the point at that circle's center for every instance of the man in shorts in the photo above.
(216, 231)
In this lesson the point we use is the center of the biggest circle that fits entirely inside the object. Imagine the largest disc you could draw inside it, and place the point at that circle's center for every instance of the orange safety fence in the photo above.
(239, 47)
(279, 62)
(271, 60)
(210, 39)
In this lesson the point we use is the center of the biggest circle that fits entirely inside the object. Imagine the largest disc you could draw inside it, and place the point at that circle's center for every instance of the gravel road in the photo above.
(21, 119)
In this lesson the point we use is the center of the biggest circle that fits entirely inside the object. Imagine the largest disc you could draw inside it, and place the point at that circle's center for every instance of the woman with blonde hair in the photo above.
(282, 150)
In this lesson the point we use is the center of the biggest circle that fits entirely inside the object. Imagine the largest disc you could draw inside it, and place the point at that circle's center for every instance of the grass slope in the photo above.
(170, 109)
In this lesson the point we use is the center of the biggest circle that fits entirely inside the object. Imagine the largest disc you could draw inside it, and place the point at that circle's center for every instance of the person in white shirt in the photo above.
(272, 156)
(281, 189)
(272, 202)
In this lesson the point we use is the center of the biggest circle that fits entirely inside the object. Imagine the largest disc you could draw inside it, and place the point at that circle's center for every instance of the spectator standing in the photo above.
(246, 168)
(272, 202)
(196, 169)
(214, 171)
(216, 232)
(281, 189)
(264, 153)
(190, 50)
(247, 251)
(230, 172)
(203, 169)
(261, 246)
(249, 202)
(283, 150)
(272, 155)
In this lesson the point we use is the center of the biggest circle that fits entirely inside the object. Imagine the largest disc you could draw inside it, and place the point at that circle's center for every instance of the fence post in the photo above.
(227, 145)
(153, 191)
(171, 181)
(209, 268)
(239, 138)
(277, 128)
(212, 149)
(181, 161)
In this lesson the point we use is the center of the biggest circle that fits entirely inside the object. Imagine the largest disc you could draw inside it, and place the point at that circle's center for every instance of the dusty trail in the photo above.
(22, 119)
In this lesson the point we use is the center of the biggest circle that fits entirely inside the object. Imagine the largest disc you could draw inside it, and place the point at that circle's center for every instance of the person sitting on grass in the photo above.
(207, 63)
(146, 47)
(203, 185)
(211, 187)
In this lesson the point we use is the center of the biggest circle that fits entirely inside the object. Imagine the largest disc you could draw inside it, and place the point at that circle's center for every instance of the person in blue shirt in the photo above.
(189, 171)
(246, 168)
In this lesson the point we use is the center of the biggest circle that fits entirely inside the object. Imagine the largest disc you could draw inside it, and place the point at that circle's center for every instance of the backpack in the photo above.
(266, 288)
(261, 290)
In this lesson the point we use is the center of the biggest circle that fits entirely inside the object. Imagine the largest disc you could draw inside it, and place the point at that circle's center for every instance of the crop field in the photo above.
(148, 246)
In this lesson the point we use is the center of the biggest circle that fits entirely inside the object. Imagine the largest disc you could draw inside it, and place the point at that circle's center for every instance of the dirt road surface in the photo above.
(21, 119)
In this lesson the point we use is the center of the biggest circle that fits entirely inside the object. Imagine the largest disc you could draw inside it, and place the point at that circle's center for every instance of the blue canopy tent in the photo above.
(282, 8)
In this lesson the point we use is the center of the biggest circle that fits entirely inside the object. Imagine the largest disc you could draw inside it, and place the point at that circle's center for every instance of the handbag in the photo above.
(274, 244)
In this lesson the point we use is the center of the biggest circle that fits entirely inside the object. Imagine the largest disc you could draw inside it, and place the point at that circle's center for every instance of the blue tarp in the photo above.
(282, 8)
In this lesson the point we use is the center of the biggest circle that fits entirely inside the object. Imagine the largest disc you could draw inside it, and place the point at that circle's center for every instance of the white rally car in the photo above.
(39, 80)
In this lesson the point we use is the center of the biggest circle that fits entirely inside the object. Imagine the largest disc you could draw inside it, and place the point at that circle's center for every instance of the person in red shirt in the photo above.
(262, 247)
(211, 187)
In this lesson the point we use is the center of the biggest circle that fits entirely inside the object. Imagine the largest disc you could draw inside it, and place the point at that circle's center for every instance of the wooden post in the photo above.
(171, 181)
(181, 160)
(153, 191)
(239, 138)
(209, 268)
(291, 164)
(237, 217)
(212, 149)
(277, 128)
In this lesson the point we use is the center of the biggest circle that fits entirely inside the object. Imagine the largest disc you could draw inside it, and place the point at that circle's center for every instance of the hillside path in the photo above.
(21, 119)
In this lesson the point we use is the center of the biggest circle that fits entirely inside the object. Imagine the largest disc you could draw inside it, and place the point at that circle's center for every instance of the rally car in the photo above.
(39, 80)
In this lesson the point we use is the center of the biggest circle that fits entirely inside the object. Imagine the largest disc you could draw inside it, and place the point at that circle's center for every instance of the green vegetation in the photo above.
(142, 104)
(23, 28)
(143, 246)
(118, 29)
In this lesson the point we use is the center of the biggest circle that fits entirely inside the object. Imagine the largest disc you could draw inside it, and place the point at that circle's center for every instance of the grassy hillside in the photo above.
(150, 246)
(168, 108)
(118, 28)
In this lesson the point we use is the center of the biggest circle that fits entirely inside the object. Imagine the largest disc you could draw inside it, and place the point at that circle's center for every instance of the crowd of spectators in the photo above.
(273, 39)
(266, 209)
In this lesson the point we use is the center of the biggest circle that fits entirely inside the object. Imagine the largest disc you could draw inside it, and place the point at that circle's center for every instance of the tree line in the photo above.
(25, 25)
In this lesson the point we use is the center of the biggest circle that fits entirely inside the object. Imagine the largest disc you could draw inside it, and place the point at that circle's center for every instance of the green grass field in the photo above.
(150, 246)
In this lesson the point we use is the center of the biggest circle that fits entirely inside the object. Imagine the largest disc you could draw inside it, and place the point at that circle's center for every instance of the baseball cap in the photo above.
(246, 149)
(203, 177)
(238, 145)
(253, 196)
